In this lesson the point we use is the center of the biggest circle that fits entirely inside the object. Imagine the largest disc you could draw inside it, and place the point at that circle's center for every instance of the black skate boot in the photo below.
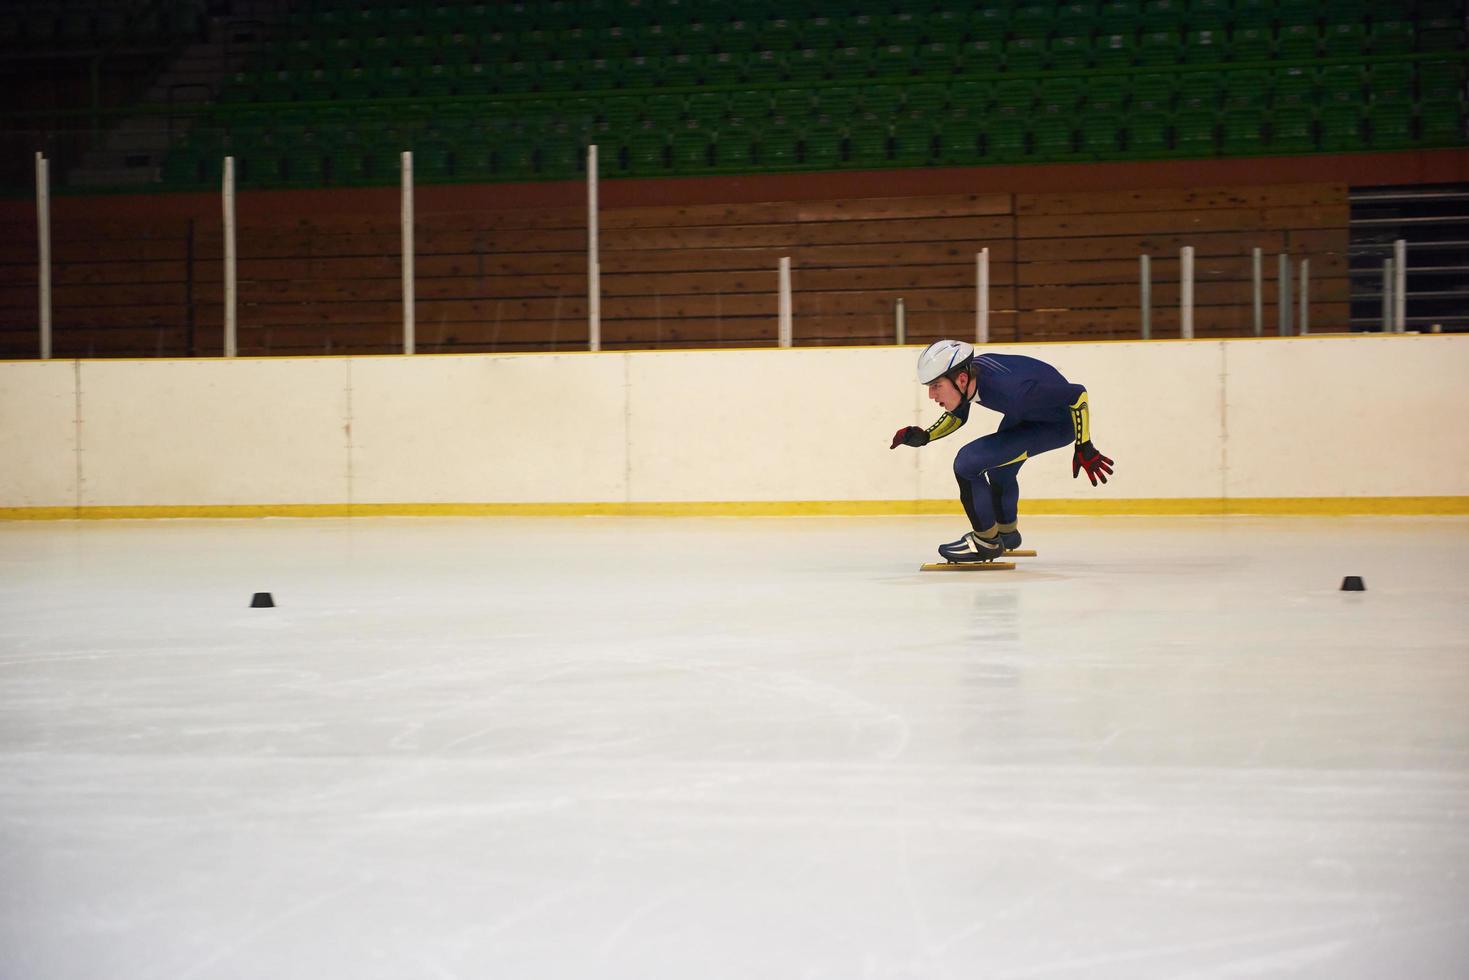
(1010, 539)
(972, 548)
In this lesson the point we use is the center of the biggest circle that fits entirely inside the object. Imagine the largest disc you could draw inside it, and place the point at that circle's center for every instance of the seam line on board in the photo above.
(76, 384)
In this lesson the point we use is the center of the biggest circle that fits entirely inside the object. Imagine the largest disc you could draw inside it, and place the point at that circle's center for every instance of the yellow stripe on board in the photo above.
(1094, 506)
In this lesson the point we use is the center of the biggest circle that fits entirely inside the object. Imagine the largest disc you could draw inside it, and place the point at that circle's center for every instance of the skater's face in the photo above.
(946, 393)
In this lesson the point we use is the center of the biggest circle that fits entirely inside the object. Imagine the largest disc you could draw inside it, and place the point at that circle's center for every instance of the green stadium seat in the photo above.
(1016, 97)
(806, 65)
(927, 97)
(778, 35)
(819, 146)
(1293, 129)
(736, 37)
(1441, 34)
(1391, 84)
(960, 139)
(764, 67)
(1193, 133)
(1025, 54)
(937, 58)
(646, 151)
(970, 96)
(1391, 37)
(1347, 40)
(1076, 19)
(1053, 135)
(1252, 13)
(708, 107)
(893, 60)
(1342, 85)
(723, 68)
(793, 104)
(779, 147)
(1071, 52)
(736, 146)
(1389, 127)
(1205, 46)
(980, 55)
(882, 100)
(1163, 15)
(1246, 89)
(682, 70)
(839, 102)
(947, 25)
(1032, 20)
(1060, 93)
(1098, 136)
(1210, 15)
(1158, 48)
(1442, 123)
(989, 23)
(820, 33)
(1298, 42)
(1113, 51)
(859, 30)
(1106, 94)
(913, 143)
(1147, 133)
(1153, 92)
(1006, 139)
(749, 104)
(849, 63)
(1120, 17)
(867, 141)
(1198, 91)
(1441, 81)
(691, 149)
(1293, 88)
(1341, 127)
(1252, 44)
(1241, 131)
(901, 28)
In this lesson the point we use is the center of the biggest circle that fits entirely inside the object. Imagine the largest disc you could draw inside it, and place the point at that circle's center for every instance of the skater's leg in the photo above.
(1001, 457)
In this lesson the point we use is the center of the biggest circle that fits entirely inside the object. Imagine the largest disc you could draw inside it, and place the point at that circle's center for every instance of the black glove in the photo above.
(909, 435)
(1086, 457)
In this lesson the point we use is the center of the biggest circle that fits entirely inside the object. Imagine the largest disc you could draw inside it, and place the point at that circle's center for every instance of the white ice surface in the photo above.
(733, 748)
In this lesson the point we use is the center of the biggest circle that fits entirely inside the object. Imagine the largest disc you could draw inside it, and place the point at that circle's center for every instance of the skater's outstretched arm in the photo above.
(949, 422)
(1086, 457)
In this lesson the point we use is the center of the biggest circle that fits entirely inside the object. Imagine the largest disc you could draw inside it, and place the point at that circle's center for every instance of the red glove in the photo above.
(1097, 466)
(910, 435)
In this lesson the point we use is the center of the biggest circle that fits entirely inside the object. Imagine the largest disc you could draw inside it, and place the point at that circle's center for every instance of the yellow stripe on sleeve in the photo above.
(1081, 419)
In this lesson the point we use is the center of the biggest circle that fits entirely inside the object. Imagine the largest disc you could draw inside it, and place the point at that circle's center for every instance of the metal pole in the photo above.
(1145, 283)
(1186, 293)
(231, 346)
(594, 258)
(43, 243)
(1387, 304)
(1305, 296)
(409, 339)
(1259, 286)
(1282, 299)
(982, 302)
(785, 331)
(1400, 284)
(900, 319)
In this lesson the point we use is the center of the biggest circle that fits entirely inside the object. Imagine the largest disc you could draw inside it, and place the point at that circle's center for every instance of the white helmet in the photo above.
(941, 357)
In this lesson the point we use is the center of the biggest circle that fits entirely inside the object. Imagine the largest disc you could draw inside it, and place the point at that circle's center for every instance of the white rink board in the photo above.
(38, 461)
(1379, 415)
(241, 432)
(448, 430)
(1363, 416)
(770, 425)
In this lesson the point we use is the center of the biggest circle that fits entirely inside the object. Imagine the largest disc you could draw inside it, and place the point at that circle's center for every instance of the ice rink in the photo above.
(733, 748)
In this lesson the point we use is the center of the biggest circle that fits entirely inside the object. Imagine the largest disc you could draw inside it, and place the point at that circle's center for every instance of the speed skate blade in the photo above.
(1021, 553)
(968, 566)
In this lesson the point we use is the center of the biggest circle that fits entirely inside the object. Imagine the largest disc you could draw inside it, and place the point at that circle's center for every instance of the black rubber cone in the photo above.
(1353, 583)
(263, 600)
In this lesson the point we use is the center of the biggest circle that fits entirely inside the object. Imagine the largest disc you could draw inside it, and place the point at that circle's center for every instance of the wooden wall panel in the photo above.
(1063, 265)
